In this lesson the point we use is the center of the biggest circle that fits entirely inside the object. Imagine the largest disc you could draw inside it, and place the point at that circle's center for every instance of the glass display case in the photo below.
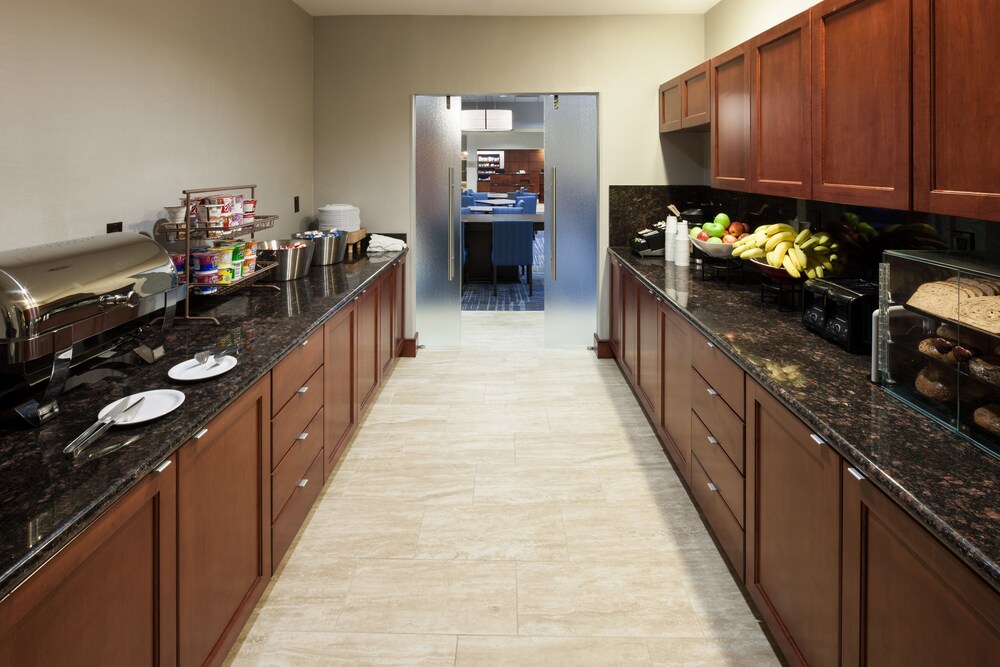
(939, 338)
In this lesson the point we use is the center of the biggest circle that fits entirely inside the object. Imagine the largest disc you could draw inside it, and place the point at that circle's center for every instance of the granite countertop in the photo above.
(947, 483)
(47, 497)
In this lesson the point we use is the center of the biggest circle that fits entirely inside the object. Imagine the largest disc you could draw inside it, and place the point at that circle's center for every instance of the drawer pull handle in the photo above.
(817, 439)
(304, 343)
(163, 466)
(201, 434)
(303, 436)
(302, 482)
(712, 440)
(856, 474)
(711, 344)
(712, 392)
(712, 487)
(302, 390)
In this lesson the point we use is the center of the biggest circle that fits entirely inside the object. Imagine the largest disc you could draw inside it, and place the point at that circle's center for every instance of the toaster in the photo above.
(840, 310)
(650, 242)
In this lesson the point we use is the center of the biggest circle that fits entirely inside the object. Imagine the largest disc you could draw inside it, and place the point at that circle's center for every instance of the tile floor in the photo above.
(503, 504)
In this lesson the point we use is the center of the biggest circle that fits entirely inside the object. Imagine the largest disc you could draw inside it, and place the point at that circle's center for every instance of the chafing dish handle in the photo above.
(36, 413)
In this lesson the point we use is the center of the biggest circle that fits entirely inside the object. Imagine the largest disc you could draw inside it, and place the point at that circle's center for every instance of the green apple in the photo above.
(722, 219)
(714, 239)
(694, 232)
(715, 228)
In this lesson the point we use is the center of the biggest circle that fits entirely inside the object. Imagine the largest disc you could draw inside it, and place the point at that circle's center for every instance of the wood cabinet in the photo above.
(386, 309)
(684, 101)
(629, 326)
(956, 116)
(615, 288)
(368, 343)
(399, 307)
(730, 112)
(676, 374)
(109, 596)
(780, 117)
(907, 599)
(341, 388)
(793, 530)
(861, 102)
(648, 354)
(223, 526)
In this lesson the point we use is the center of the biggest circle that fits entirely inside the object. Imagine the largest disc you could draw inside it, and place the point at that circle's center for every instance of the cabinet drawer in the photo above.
(291, 421)
(293, 371)
(720, 372)
(292, 468)
(285, 527)
(718, 466)
(722, 422)
(725, 526)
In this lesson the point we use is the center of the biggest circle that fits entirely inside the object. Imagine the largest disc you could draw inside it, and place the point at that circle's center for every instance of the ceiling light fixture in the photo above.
(487, 120)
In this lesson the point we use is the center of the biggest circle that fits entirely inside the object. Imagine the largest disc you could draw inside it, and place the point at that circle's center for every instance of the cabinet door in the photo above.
(630, 322)
(861, 102)
(648, 362)
(780, 119)
(676, 417)
(670, 105)
(224, 526)
(793, 531)
(108, 597)
(907, 599)
(368, 343)
(616, 308)
(399, 307)
(731, 120)
(341, 390)
(695, 97)
(956, 114)
(386, 306)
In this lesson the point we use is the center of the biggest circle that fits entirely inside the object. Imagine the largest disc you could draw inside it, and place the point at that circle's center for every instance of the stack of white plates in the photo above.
(339, 216)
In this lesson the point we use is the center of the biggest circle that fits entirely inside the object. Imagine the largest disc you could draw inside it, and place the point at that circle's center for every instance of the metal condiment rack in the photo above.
(265, 222)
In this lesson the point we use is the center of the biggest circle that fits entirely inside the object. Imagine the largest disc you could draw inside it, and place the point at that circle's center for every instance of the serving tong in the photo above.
(122, 411)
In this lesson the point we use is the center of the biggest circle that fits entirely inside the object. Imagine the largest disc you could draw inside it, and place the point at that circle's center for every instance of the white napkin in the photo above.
(379, 243)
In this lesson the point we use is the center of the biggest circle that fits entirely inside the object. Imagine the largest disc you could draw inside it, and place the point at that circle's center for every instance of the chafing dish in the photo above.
(63, 303)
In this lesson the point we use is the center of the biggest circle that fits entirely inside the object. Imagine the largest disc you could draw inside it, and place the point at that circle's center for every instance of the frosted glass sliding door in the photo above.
(437, 245)
(570, 220)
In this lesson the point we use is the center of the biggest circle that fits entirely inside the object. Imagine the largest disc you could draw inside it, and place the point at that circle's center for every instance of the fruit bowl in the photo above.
(775, 274)
(713, 249)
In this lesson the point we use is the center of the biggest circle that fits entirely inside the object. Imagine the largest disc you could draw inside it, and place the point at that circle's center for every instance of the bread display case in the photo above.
(939, 338)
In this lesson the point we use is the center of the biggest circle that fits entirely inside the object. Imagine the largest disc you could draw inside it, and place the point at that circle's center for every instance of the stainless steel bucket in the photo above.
(292, 262)
(329, 249)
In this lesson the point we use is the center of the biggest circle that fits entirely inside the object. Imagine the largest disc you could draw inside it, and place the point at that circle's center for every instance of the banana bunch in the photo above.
(814, 255)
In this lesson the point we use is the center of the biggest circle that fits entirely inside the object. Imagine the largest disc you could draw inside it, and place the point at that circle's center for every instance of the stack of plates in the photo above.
(339, 216)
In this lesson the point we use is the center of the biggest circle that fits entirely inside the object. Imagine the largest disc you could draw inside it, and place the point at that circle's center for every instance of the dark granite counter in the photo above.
(948, 484)
(47, 497)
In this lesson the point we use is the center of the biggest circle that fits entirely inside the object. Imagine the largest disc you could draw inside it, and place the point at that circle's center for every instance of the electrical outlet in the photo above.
(296, 203)
(114, 227)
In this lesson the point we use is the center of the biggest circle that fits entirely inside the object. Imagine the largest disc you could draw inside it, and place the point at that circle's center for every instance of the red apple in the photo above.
(702, 235)
(736, 228)
(742, 236)
(729, 238)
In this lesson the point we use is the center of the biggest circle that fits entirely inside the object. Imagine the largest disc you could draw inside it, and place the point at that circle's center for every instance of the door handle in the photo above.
(555, 216)
(451, 224)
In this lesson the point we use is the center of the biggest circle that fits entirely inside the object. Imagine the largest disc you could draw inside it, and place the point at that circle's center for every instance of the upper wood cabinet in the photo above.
(684, 101)
(780, 110)
(956, 110)
(861, 102)
(730, 120)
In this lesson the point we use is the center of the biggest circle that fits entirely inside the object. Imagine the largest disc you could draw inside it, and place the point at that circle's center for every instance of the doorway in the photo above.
(564, 245)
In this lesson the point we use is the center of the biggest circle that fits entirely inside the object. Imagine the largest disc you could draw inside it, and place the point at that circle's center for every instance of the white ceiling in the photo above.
(504, 8)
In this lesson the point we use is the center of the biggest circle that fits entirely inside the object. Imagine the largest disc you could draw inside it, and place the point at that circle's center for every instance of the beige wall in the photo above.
(369, 68)
(111, 107)
(732, 22)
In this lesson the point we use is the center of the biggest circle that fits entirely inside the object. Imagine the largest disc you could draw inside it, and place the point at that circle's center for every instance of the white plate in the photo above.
(191, 370)
(158, 403)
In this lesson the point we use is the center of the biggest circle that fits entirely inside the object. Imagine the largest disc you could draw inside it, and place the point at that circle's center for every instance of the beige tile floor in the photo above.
(503, 504)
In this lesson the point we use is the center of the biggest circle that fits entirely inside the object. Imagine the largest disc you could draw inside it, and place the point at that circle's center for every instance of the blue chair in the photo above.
(480, 196)
(528, 202)
(512, 246)
(468, 200)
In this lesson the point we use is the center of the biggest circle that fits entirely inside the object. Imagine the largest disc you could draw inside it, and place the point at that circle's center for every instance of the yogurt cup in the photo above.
(206, 277)
(249, 206)
(226, 275)
(249, 264)
(207, 261)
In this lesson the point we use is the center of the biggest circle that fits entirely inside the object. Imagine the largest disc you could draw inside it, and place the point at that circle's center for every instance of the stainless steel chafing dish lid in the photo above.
(56, 294)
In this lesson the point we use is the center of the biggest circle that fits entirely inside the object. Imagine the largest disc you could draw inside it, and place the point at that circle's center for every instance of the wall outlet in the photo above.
(114, 227)
(296, 204)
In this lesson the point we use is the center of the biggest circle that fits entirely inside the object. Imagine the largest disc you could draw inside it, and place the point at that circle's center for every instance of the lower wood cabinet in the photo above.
(107, 598)
(907, 600)
(648, 355)
(223, 526)
(615, 284)
(341, 387)
(629, 326)
(368, 343)
(386, 308)
(399, 306)
(676, 374)
(792, 530)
